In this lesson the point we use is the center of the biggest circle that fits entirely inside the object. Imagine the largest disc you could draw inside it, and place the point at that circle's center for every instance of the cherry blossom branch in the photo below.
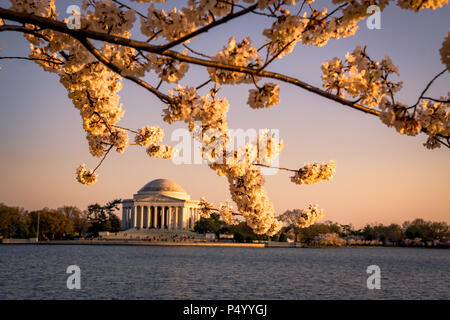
(123, 5)
(206, 28)
(442, 142)
(214, 209)
(90, 47)
(280, 168)
(144, 46)
(242, 7)
(103, 158)
(203, 84)
(436, 100)
(196, 52)
(50, 60)
(33, 32)
(119, 127)
(428, 86)
(9, 27)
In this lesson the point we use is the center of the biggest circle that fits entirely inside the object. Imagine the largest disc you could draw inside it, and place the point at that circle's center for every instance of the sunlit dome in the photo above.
(163, 186)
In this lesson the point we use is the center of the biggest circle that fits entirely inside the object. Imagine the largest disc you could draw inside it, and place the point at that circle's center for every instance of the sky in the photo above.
(381, 176)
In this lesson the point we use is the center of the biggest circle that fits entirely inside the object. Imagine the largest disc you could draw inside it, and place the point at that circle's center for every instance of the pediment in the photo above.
(158, 198)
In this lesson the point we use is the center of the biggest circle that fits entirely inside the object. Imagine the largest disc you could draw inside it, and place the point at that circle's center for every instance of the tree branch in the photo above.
(88, 45)
(428, 86)
(207, 27)
(144, 46)
(55, 61)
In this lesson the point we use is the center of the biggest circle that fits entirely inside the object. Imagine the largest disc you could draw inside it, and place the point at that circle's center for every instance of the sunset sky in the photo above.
(381, 176)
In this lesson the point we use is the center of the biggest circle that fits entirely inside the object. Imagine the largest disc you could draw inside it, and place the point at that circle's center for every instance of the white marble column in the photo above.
(124, 213)
(172, 214)
(168, 217)
(163, 224)
(153, 209)
(182, 217)
(185, 218)
(131, 217)
(124, 219)
(175, 217)
(134, 217)
(158, 211)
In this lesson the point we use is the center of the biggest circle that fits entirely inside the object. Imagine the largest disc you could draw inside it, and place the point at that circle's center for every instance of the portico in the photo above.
(160, 204)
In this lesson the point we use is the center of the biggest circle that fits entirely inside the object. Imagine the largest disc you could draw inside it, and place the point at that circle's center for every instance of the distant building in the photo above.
(160, 204)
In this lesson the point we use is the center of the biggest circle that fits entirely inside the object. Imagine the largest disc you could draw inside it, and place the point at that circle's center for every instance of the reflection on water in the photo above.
(127, 272)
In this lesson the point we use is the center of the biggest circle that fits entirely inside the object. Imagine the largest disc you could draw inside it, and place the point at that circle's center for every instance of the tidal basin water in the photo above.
(136, 272)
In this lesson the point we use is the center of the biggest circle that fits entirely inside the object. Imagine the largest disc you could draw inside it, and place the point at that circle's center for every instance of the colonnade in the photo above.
(159, 217)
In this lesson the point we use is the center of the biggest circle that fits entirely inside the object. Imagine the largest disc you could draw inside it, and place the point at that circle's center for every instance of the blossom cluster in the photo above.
(171, 25)
(246, 185)
(318, 27)
(168, 69)
(416, 5)
(237, 54)
(361, 77)
(284, 33)
(42, 8)
(189, 107)
(160, 151)
(225, 211)
(93, 90)
(264, 97)
(302, 218)
(50, 62)
(435, 117)
(313, 173)
(86, 177)
(147, 136)
(208, 7)
(108, 17)
(309, 216)
(397, 115)
(206, 208)
(227, 214)
(432, 117)
(445, 51)
(126, 60)
(269, 147)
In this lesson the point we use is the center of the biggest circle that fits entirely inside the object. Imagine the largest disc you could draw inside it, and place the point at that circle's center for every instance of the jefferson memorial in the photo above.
(160, 204)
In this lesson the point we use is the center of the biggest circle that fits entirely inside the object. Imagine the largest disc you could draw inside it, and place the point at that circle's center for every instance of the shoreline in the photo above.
(190, 244)
(133, 243)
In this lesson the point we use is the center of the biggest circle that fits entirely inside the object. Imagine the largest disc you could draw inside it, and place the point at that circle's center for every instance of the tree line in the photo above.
(67, 222)
(418, 231)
